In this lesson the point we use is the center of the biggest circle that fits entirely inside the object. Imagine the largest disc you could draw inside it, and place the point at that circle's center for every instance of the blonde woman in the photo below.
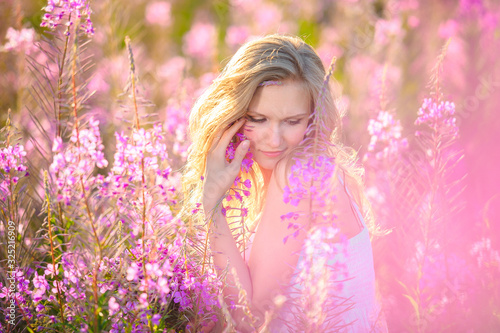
(267, 95)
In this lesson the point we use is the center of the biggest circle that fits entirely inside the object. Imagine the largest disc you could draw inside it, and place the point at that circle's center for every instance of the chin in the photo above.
(266, 164)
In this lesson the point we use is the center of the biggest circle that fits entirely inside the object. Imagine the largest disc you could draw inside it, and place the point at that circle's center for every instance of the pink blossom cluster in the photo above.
(170, 280)
(76, 160)
(308, 180)
(19, 40)
(438, 116)
(144, 149)
(21, 295)
(67, 11)
(72, 285)
(159, 13)
(315, 170)
(12, 168)
(385, 140)
(201, 41)
(140, 177)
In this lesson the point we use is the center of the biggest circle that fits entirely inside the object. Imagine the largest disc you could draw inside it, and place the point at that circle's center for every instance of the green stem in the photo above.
(143, 178)
(60, 81)
(52, 248)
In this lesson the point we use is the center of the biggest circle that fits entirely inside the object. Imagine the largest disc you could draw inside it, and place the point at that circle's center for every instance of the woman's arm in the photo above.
(219, 177)
(226, 254)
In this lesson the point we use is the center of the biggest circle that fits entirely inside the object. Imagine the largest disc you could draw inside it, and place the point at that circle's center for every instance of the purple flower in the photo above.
(438, 116)
(385, 132)
(156, 319)
(12, 167)
(67, 12)
(144, 146)
(82, 154)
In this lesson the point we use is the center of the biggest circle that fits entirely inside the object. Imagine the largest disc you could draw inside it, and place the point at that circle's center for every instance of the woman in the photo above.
(265, 102)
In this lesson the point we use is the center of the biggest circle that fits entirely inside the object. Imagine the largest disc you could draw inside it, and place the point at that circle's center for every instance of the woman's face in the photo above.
(277, 120)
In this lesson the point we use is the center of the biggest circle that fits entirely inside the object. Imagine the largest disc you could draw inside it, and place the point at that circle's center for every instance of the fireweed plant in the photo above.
(110, 254)
(440, 201)
(417, 182)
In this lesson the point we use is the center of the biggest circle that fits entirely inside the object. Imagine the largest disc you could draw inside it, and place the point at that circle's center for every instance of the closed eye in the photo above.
(261, 120)
(254, 120)
(294, 122)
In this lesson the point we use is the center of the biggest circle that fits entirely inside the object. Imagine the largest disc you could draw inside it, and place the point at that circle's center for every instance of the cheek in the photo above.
(253, 134)
(294, 136)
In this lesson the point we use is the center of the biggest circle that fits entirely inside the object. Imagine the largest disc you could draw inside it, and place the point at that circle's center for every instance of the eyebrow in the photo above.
(294, 116)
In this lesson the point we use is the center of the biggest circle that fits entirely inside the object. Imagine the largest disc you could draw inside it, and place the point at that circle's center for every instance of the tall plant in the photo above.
(111, 254)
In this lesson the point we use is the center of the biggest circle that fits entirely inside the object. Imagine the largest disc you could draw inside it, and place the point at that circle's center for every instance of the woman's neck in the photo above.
(266, 173)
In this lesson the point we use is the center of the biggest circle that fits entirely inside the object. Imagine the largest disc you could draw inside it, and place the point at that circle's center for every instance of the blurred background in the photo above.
(386, 52)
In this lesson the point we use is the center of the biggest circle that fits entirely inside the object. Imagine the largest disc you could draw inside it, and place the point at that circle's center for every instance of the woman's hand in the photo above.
(220, 174)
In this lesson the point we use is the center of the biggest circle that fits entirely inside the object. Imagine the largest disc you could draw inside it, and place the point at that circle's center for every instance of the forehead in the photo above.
(280, 101)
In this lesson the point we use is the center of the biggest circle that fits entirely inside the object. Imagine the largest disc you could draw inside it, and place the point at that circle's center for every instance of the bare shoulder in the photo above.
(333, 186)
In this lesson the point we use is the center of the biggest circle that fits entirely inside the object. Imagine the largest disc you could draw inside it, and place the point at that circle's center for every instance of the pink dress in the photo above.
(353, 307)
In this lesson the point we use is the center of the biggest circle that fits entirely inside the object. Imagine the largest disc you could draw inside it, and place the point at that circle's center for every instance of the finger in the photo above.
(230, 132)
(215, 143)
(241, 151)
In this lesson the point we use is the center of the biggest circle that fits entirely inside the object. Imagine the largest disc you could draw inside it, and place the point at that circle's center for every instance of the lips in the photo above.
(272, 153)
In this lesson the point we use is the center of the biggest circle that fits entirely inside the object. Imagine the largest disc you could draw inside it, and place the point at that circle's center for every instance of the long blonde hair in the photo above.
(271, 58)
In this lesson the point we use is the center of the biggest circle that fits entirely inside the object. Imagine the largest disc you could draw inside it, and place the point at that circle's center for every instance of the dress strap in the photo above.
(354, 206)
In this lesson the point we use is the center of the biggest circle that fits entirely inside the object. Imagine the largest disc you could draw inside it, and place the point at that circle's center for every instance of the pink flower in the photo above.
(12, 167)
(387, 29)
(439, 117)
(99, 82)
(267, 17)
(57, 145)
(113, 306)
(200, 41)
(385, 138)
(19, 41)
(66, 12)
(51, 270)
(173, 73)
(448, 29)
(77, 160)
(158, 12)
(39, 282)
(237, 35)
(143, 300)
(132, 272)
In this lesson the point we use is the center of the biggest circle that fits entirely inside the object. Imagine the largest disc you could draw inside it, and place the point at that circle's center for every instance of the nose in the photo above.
(275, 137)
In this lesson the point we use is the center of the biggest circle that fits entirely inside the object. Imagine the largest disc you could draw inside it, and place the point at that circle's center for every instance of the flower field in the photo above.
(95, 98)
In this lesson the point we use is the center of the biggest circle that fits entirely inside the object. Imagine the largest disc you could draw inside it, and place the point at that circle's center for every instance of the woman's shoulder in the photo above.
(304, 171)
(332, 188)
